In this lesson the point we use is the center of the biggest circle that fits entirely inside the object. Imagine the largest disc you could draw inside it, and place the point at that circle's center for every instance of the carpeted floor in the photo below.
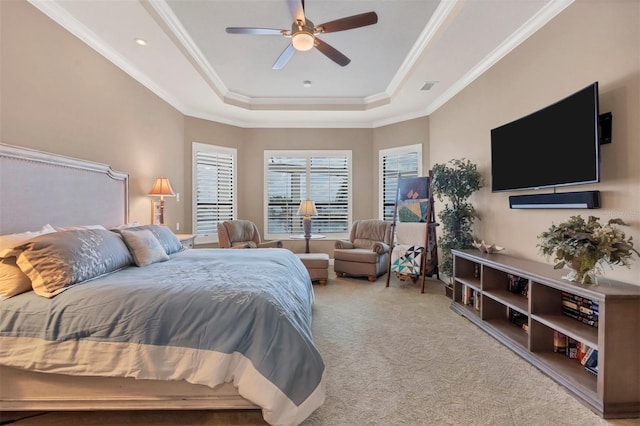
(395, 357)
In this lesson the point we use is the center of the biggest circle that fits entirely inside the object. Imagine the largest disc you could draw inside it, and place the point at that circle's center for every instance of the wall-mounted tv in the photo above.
(558, 145)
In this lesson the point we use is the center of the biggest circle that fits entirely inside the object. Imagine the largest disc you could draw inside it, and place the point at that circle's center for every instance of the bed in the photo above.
(187, 329)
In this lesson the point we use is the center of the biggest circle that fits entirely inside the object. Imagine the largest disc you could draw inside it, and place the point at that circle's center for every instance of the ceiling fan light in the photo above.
(302, 41)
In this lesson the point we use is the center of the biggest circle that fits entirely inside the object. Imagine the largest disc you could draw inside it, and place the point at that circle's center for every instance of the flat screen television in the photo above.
(556, 146)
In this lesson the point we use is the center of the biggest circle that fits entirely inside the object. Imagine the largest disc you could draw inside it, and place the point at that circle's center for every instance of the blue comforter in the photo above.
(242, 316)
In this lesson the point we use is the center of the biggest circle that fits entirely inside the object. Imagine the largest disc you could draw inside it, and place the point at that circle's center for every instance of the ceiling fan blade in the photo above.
(284, 57)
(297, 9)
(332, 53)
(254, 31)
(355, 21)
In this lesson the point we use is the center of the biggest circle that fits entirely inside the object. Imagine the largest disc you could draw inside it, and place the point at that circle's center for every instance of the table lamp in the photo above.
(162, 188)
(307, 209)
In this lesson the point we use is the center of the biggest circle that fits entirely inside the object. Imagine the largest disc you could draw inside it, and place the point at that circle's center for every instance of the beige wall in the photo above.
(59, 95)
(589, 41)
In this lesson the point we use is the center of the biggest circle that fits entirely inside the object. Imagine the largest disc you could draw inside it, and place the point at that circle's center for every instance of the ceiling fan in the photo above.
(303, 33)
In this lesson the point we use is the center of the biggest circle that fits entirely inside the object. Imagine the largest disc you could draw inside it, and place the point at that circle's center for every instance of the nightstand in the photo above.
(186, 240)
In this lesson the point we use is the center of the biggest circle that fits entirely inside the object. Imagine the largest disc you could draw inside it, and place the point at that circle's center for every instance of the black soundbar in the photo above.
(563, 200)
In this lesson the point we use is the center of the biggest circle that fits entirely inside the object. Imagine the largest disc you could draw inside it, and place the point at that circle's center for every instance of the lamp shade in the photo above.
(307, 208)
(162, 187)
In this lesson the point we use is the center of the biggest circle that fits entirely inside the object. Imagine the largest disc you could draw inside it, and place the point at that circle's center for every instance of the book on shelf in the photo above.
(518, 285)
(572, 348)
(559, 342)
(582, 351)
(519, 319)
(592, 370)
(469, 295)
(591, 359)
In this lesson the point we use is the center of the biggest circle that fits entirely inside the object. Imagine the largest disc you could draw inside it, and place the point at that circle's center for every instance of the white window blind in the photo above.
(213, 189)
(321, 176)
(405, 161)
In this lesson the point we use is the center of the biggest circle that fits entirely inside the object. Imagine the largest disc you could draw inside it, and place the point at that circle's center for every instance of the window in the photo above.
(214, 181)
(321, 176)
(404, 161)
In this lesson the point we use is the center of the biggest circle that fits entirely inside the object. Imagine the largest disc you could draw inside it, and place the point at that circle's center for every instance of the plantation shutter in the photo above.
(321, 177)
(214, 191)
(329, 178)
(405, 164)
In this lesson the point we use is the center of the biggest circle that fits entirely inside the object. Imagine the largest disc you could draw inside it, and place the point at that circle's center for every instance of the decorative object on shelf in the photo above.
(307, 209)
(584, 246)
(456, 180)
(487, 248)
(161, 188)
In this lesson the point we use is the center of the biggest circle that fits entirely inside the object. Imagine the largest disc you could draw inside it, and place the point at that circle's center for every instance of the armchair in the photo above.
(242, 234)
(366, 254)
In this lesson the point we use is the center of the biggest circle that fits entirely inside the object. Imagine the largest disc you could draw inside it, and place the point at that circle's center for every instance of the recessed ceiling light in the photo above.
(141, 41)
(306, 83)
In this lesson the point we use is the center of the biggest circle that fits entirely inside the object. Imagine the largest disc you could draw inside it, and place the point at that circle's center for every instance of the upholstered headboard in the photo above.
(37, 188)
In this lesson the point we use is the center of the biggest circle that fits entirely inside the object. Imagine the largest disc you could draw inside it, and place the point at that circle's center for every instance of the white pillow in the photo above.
(144, 247)
(11, 240)
(12, 280)
(79, 227)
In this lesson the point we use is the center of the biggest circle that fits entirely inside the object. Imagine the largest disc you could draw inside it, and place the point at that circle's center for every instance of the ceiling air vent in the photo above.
(428, 85)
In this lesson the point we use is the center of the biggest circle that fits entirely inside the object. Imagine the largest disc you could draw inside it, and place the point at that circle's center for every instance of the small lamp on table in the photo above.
(307, 209)
(162, 188)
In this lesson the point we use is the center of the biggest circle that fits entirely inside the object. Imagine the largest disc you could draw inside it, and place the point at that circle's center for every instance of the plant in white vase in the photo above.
(584, 246)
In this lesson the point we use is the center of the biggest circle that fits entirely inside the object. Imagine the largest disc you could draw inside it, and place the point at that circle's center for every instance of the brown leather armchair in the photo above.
(242, 234)
(366, 254)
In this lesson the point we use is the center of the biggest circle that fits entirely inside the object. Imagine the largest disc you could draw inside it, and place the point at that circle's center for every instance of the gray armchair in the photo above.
(366, 254)
(242, 234)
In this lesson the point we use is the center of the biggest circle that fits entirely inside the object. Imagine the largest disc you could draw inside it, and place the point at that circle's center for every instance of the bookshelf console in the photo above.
(529, 317)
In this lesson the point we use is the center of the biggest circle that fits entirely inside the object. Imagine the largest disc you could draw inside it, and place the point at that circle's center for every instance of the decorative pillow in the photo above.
(168, 240)
(144, 246)
(12, 280)
(58, 260)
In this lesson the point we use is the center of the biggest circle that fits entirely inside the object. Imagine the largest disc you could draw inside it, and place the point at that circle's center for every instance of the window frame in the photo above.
(382, 153)
(308, 154)
(214, 149)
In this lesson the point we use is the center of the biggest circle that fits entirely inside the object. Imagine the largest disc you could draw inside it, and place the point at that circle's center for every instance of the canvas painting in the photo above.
(413, 199)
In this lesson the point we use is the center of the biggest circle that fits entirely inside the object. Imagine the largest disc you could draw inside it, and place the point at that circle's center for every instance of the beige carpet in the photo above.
(396, 357)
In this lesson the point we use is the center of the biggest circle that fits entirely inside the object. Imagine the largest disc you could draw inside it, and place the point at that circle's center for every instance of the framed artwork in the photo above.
(412, 200)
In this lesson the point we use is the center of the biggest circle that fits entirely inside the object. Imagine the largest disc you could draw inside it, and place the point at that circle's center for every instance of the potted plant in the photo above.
(584, 246)
(455, 181)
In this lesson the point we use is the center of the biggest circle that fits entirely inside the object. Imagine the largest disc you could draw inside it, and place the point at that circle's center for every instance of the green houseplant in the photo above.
(584, 246)
(456, 181)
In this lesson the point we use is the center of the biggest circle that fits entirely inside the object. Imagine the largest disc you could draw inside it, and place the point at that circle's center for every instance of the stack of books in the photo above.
(580, 308)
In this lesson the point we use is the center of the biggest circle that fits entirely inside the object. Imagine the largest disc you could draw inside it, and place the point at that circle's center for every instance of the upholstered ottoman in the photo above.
(317, 264)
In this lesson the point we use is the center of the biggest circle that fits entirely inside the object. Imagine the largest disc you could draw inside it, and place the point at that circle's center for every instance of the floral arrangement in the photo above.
(585, 245)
